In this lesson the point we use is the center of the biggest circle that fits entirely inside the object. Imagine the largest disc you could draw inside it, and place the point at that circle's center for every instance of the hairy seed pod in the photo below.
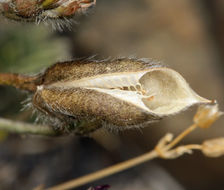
(117, 94)
(43, 10)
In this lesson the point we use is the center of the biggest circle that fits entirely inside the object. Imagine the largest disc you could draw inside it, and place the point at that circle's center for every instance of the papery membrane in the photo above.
(159, 91)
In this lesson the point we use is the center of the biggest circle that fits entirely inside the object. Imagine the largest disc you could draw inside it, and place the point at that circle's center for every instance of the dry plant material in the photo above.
(43, 10)
(84, 95)
(164, 149)
(206, 115)
(117, 94)
(213, 148)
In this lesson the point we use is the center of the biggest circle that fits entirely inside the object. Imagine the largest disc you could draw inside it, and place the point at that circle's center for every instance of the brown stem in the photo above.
(106, 172)
(181, 136)
(22, 82)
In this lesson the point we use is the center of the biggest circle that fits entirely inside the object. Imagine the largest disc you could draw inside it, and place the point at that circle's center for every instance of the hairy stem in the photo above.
(24, 128)
(22, 82)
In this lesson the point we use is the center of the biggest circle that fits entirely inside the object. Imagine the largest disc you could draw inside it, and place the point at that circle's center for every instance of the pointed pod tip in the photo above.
(206, 101)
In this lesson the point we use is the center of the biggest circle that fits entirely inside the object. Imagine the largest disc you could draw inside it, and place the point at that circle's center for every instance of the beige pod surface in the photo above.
(122, 94)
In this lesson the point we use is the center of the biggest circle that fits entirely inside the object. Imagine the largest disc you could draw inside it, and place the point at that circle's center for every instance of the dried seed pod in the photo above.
(207, 115)
(118, 94)
(213, 147)
(43, 10)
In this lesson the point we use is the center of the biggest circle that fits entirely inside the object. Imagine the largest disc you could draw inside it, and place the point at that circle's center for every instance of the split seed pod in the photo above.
(117, 94)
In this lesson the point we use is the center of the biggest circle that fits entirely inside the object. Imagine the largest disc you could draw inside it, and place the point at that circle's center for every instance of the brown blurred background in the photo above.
(186, 35)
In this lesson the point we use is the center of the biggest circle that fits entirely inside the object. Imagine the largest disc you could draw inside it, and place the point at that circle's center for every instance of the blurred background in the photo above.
(186, 35)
